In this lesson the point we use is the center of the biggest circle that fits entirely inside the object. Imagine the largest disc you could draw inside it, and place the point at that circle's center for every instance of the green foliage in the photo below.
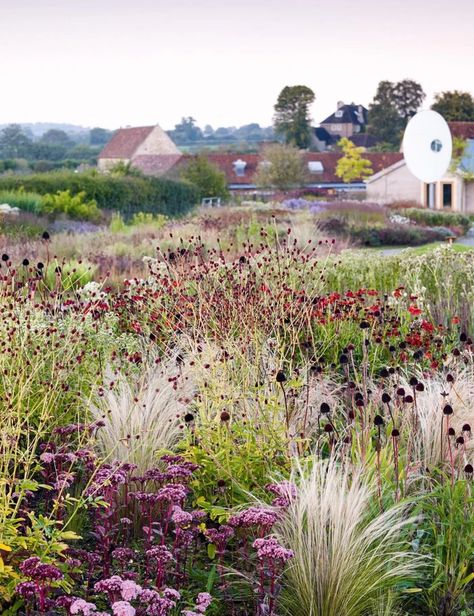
(148, 219)
(438, 218)
(408, 96)
(126, 195)
(455, 106)
(392, 107)
(73, 206)
(446, 534)
(99, 136)
(55, 136)
(117, 223)
(384, 121)
(292, 119)
(13, 142)
(140, 219)
(68, 276)
(26, 201)
(397, 235)
(122, 169)
(282, 167)
(352, 166)
(186, 131)
(210, 181)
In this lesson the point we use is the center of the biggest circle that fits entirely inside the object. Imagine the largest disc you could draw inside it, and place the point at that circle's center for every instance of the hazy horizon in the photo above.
(115, 63)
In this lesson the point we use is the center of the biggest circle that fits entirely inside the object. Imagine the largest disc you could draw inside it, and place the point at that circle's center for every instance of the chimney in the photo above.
(340, 104)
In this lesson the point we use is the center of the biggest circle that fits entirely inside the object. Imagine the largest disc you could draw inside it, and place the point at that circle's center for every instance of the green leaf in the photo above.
(211, 550)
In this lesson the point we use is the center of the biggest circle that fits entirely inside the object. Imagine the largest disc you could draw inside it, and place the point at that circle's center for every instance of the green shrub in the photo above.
(146, 218)
(140, 219)
(396, 235)
(126, 195)
(438, 218)
(117, 223)
(73, 206)
(26, 201)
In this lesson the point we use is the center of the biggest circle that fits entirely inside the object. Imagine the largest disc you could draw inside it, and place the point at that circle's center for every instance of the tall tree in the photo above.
(408, 96)
(186, 131)
(455, 106)
(393, 105)
(99, 136)
(292, 118)
(13, 142)
(352, 166)
(54, 136)
(384, 121)
(282, 167)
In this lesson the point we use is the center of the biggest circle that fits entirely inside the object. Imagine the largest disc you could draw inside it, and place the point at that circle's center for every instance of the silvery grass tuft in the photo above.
(143, 417)
(345, 557)
(427, 438)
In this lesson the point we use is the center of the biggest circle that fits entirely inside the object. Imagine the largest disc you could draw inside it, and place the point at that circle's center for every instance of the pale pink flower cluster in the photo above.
(79, 606)
(181, 518)
(203, 601)
(254, 516)
(270, 549)
(123, 608)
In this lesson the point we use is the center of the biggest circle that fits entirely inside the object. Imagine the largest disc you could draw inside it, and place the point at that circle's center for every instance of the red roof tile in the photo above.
(465, 130)
(125, 141)
(379, 160)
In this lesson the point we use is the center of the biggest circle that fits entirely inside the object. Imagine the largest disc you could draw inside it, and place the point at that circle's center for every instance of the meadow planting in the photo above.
(236, 414)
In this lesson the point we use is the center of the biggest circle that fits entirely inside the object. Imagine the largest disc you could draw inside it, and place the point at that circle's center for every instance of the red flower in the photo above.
(428, 327)
(414, 310)
(455, 320)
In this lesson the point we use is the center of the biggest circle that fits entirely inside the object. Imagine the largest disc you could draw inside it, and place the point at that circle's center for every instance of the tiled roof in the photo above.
(379, 160)
(125, 141)
(465, 130)
(156, 164)
(349, 115)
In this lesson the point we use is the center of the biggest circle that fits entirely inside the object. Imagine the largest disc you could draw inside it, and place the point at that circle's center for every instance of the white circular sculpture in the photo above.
(427, 146)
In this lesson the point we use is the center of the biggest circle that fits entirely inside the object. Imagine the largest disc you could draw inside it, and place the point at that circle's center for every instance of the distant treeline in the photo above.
(20, 148)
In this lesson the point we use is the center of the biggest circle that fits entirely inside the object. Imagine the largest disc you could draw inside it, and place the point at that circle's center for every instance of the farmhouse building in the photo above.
(147, 148)
(454, 191)
(346, 120)
(150, 149)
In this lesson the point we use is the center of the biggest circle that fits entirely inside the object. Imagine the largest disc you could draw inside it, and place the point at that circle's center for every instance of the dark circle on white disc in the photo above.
(436, 145)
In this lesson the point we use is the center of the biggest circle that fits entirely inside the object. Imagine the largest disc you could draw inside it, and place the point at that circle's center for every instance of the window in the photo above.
(335, 128)
(315, 166)
(239, 167)
(447, 194)
(430, 196)
(338, 113)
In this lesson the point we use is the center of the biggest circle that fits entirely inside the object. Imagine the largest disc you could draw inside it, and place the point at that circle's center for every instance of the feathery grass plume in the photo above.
(427, 444)
(345, 556)
(144, 417)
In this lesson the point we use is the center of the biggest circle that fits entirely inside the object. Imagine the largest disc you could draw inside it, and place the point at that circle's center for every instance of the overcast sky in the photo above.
(133, 62)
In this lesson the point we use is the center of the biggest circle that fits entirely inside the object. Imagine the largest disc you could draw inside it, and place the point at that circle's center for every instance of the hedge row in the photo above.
(437, 218)
(126, 195)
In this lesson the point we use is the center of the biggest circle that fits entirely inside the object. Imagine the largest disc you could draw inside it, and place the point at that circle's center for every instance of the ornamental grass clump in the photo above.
(345, 554)
(141, 414)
